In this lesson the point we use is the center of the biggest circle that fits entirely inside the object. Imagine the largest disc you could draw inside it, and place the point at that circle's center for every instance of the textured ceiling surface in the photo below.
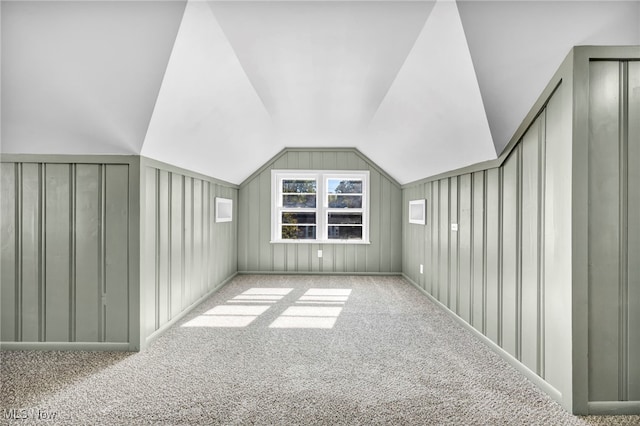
(219, 87)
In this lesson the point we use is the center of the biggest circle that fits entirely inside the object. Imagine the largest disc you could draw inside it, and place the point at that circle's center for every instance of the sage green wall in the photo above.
(545, 265)
(506, 271)
(186, 255)
(67, 239)
(257, 254)
(614, 231)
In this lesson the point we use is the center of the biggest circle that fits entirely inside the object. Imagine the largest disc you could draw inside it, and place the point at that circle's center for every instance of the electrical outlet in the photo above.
(454, 226)
(319, 253)
(422, 269)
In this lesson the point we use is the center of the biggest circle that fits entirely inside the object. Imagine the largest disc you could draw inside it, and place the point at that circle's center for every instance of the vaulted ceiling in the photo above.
(219, 87)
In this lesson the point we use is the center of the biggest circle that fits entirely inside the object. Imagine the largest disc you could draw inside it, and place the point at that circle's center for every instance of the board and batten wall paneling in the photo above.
(453, 288)
(10, 261)
(490, 271)
(65, 253)
(633, 220)
(464, 259)
(614, 231)
(478, 293)
(557, 254)
(256, 253)
(186, 255)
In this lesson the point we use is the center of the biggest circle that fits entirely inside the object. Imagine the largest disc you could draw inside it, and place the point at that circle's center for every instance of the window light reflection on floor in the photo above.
(307, 317)
(261, 295)
(323, 317)
(243, 309)
(228, 316)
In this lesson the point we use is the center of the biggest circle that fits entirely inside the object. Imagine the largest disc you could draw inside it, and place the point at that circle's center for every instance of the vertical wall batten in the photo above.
(605, 231)
(633, 232)
(485, 197)
(42, 270)
(472, 282)
(500, 310)
(540, 368)
(158, 242)
(623, 123)
(102, 253)
(519, 256)
(458, 242)
(18, 236)
(72, 252)
(180, 245)
(449, 244)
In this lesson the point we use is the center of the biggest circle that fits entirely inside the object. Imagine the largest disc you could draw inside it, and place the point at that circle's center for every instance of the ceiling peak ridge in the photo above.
(226, 37)
(164, 76)
(409, 52)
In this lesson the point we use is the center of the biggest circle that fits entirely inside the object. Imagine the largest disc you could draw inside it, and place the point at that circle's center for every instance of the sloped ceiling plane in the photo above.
(219, 87)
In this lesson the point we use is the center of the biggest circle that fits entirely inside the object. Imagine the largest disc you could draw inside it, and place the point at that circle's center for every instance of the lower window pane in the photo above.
(345, 232)
(292, 218)
(345, 218)
(298, 232)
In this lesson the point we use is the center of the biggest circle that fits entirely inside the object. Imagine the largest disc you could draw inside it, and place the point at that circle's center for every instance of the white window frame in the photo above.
(322, 208)
(224, 209)
(417, 212)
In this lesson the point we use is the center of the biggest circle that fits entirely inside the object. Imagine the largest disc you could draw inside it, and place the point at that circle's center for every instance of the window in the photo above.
(320, 207)
(417, 212)
(224, 210)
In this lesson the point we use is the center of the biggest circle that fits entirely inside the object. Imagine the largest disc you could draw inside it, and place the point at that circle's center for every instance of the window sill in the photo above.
(354, 242)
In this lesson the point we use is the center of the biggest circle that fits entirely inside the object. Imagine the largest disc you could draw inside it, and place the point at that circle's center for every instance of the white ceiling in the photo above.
(421, 87)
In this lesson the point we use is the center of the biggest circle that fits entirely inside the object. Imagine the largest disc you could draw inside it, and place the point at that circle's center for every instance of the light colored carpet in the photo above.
(391, 357)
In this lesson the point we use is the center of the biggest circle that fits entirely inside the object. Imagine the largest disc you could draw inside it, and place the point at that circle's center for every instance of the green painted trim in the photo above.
(532, 376)
(66, 346)
(614, 408)
(373, 274)
(150, 162)
(153, 336)
(580, 233)
(68, 158)
(134, 253)
(269, 164)
(579, 80)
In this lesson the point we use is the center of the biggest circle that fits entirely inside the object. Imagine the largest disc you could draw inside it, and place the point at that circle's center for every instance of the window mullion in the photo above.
(321, 203)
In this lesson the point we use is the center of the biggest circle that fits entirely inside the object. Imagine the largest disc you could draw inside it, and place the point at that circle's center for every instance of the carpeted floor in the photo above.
(290, 351)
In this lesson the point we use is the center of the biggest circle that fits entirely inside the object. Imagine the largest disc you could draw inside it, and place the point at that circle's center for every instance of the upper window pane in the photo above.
(299, 186)
(345, 201)
(299, 201)
(342, 186)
